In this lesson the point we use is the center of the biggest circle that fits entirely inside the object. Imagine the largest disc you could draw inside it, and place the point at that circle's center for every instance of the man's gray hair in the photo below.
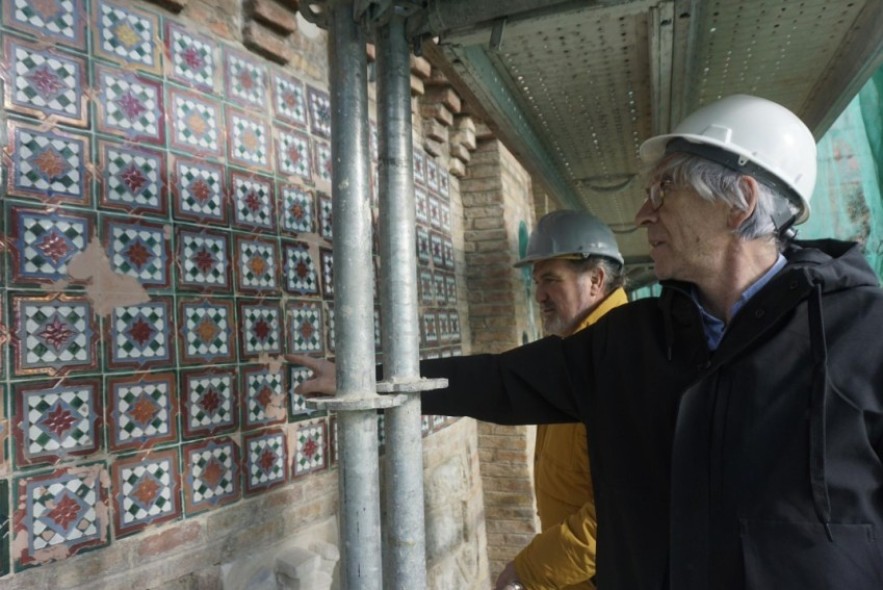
(614, 272)
(714, 182)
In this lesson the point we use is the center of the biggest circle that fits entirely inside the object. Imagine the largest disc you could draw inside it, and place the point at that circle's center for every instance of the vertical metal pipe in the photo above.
(354, 303)
(404, 536)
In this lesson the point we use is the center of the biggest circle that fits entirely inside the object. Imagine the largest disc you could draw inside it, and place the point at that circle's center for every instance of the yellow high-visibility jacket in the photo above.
(563, 555)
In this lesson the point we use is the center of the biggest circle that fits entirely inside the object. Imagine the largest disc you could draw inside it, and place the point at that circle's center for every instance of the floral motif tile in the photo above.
(203, 259)
(200, 190)
(434, 212)
(132, 179)
(301, 277)
(322, 156)
(141, 336)
(445, 215)
(245, 80)
(209, 403)
(330, 332)
(211, 474)
(261, 325)
(438, 288)
(334, 448)
(253, 201)
(436, 247)
(142, 411)
(378, 344)
(448, 252)
(454, 319)
(52, 335)
(431, 174)
(196, 123)
(424, 252)
(49, 165)
(451, 289)
(419, 164)
(381, 431)
(56, 420)
(297, 211)
(42, 82)
(248, 141)
(60, 21)
(293, 154)
(421, 205)
(425, 286)
(320, 112)
(444, 326)
(326, 217)
(126, 35)
(265, 461)
(146, 490)
(326, 260)
(310, 448)
(298, 409)
(130, 106)
(43, 242)
(139, 250)
(257, 264)
(190, 58)
(304, 321)
(207, 332)
(429, 328)
(58, 514)
(289, 100)
(264, 396)
(444, 184)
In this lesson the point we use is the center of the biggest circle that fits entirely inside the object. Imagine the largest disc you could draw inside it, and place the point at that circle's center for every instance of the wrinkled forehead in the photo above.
(662, 168)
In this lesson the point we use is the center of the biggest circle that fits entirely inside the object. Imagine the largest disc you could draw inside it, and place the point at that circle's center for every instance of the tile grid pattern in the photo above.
(192, 174)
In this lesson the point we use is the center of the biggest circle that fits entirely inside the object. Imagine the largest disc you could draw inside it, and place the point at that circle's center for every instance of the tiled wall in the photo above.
(167, 237)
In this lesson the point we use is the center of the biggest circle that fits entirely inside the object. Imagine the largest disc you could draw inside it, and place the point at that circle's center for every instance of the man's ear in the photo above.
(737, 216)
(597, 277)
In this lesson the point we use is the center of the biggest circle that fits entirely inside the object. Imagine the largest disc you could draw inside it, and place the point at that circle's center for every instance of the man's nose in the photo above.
(646, 214)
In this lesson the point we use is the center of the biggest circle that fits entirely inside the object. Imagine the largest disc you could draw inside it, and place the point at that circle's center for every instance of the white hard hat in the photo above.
(751, 135)
(568, 233)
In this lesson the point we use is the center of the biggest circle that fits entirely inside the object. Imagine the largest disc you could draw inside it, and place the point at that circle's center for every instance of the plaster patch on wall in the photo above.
(106, 289)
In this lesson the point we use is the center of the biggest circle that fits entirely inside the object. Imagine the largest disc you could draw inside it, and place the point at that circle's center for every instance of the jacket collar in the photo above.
(614, 299)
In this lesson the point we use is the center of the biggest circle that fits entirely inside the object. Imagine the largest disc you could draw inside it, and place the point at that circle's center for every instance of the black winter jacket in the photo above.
(756, 466)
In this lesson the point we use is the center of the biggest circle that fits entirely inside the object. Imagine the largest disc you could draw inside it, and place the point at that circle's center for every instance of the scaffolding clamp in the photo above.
(387, 388)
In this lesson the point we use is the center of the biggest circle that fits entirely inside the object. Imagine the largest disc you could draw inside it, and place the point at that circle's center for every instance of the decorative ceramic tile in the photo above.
(139, 250)
(425, 424)
(419, 164)
(299, 410)
(265, 461)
(49, 165)
(248, 141)
(4, 454)
(448, 252)
(190, 58)
(263, 393)
(431, 174)
(304, 321)
(253, 201)
(320, 112)
(53, 334)
(257, 263)
(424, 253)
(42, 82)
(293, 154)
(438, 288)
(141, 336)
(426, 286)
(436, 247)
(322, 156)
(245, 80)
(126, 35)
(444, 184)
(300, 270)
(56, 420)
(59, 514)
(438, 422)
(207, 332)
(211, 474)
(326, 260)
(43, 242)
(434, 212)
(200, 191)
(454, 319)
(330, 332)
(378, 345)
(297, 211)
(133, 179)
(381, 431)
(209, 403)
(130, 106)
(289, 100)
(5, 519)
(326, 217)
(142, 411)
(429, 328)
(445, 215)
(334, 447)
(60, 21)
(196, 123)
(203, 259)
(310, 448)
(146, 491)
(421, 205)
(261, 327)
(444, 326)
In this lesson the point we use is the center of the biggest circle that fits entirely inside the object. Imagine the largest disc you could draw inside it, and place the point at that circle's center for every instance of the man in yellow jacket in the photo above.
(578, 273)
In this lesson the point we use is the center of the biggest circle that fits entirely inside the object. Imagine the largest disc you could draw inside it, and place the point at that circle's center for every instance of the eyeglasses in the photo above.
(656, 192)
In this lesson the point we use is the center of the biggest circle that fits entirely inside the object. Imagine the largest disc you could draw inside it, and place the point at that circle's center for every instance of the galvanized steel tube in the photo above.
(353, 305)
(404, 537)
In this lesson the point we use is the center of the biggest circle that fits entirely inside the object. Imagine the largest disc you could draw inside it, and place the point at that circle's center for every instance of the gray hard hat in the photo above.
(568, 233)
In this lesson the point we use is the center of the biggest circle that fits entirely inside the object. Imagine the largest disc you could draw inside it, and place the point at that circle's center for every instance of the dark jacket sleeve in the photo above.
(542, 382)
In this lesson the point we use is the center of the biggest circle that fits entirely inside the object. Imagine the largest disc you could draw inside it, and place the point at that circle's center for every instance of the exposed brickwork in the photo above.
(266, 42)
(274, 15)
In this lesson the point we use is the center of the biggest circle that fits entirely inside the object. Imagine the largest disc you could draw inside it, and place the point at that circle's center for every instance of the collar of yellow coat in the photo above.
(615, 299)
